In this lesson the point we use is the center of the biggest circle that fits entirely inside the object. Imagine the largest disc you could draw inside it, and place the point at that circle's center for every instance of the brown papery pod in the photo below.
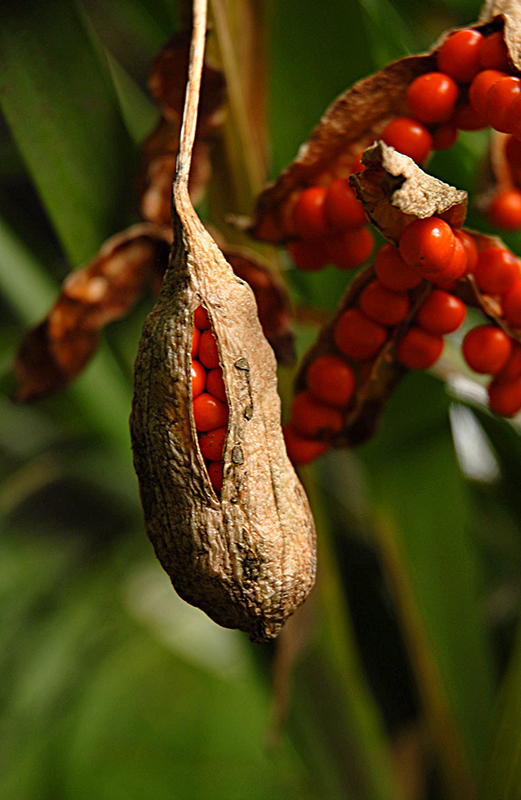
(54, 352)
(356, 119)
(247, 558)
(394, 191)
(167, 84)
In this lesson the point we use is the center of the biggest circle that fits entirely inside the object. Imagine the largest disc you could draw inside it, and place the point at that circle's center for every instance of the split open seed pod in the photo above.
(246, 557)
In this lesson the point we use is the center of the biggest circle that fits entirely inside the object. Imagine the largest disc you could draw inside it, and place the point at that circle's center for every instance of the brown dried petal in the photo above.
(167, 84)
(394, 191)
(57, 350)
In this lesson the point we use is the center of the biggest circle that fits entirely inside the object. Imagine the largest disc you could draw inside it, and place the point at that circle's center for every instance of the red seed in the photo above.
(431, 97)
(471, 251)
(496, 270)
(486, 349)
(209, 413)
(308, 214)
(382, 305)
(459, 55)
(512, 368)
(480, 87)
(466, 118)
(419, 349)
(308, 256)
(215, 473)
(208, 351)
(300, 450)
(444, 136)
(212, 443)
(351, 248)
(198, 378)
(392, 270)
(331, 380)
(201, 318)
(408, 136)
(505, 210)
(428, 245)
(500, 99)
(493, 53)
(358, 337)
(441, 313)
(342, 208)
(504, 397)
(215, 384)
(313, 419)
(195, 342)
(511, 303)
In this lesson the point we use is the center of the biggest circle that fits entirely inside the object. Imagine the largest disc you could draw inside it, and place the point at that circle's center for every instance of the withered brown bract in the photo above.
(248, 558)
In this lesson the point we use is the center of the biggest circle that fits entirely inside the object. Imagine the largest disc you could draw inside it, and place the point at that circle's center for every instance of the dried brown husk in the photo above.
(57, 350)
(356, 120)
(167, 85)
(394, 192)
(247, 558)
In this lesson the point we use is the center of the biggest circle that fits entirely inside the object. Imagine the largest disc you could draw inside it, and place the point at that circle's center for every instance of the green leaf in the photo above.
(422, 525)
(64, 115)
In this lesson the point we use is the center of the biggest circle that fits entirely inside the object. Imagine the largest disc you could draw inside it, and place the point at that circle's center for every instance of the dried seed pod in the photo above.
(247, 559)
(58, 349)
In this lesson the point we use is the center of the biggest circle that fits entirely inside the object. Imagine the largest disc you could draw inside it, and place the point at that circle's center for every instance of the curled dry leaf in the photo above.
(394, 191)
(247, 556)
(57, 350)
(167, 85)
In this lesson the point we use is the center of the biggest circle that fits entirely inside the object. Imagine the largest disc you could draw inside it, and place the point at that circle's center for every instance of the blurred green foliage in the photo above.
(407, 680)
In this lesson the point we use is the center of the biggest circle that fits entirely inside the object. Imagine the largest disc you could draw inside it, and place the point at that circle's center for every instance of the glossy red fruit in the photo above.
(496, 270)
(314, 419)
(466, 118)
(455, 269)
(331, 380)
(513, 152)
(201, 319)
(419, 349)
(409, 137)
(358, 337)
(500, 99)
(493, 53)
(441, 313)
(444, 136)
(309, 256)
(208, 351)
(215, 384)
(471, 251)
(215, 473)
(382, 305)
(514, 118)
(511, 303)
(486, 349)
(209, 413)
(512, 368)
(300, 450)
(459, 55)
(198, 378)
(350, 249)
(428, 245)
(392, 270)
(309, 219)
(212, 443)
(504, 397)
(342, 208)
(505, 210)
(431, 97)
(480, 87)
(195, 342)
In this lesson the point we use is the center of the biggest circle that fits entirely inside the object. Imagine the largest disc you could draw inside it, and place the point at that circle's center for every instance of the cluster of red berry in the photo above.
(429, 250)
(210, 405)
(475, 87)
(329, 226)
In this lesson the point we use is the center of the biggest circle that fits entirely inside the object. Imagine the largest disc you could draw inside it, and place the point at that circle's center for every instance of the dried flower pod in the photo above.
(247, 558)
(57, 350)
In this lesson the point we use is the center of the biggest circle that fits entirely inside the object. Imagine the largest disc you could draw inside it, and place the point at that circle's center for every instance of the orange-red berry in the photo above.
(428, 245)
(309, 217)
(195, 342)
(500, 99)
(496, 270)
(486, 349)
(331, 380)
(419, 349)
(215, 472)
(300, 450)
(513, 152)
(382, 305)
(350, 248)
(480, 87)
(444, 136)
(459, 55)
(201, 319)
(409, 137)
(471, 251)
(431, 97)
(512, 368)
(209, 413)
(504, 210)
(212, 443)
(208, 351)
(441, 313)
(198, 378)
(308, 256)
(493, 53)
(215, 384)
(314, 419)
(466, 118)
(342, 208)
(392, 270)
(511, 303)
(504, 397)
(454, 270)
(358, 337)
